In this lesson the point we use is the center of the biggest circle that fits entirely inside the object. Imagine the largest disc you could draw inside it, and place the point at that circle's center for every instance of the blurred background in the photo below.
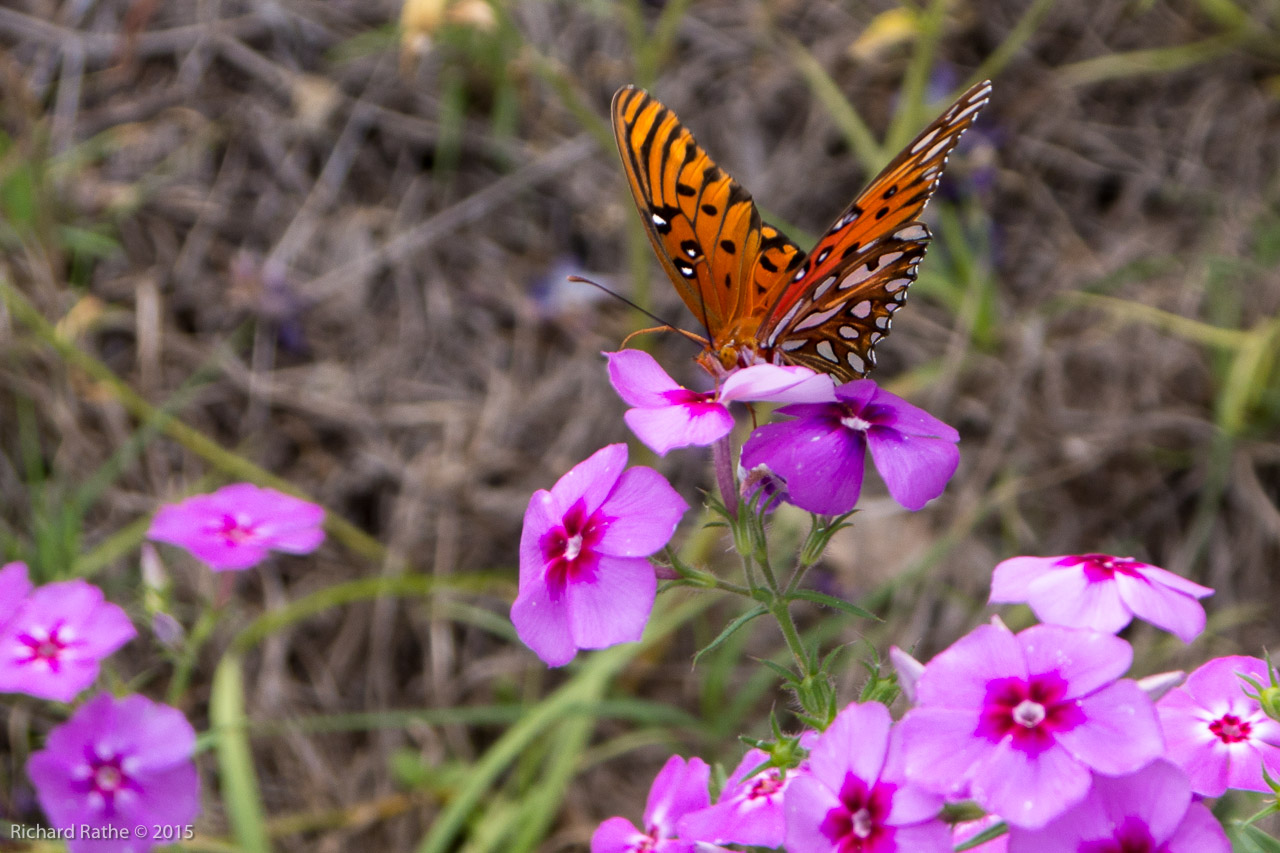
(328, 240)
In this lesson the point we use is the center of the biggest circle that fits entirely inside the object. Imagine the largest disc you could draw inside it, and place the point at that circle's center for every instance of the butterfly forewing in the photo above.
(839, 303)
(703, 225)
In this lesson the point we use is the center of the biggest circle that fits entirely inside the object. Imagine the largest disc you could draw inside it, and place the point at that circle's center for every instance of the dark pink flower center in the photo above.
(766, 784)
(1031, 712)
(235, 529)
(103, 779)
(858, 823)
(47, 646)
(1131, 836)
(568, 549)
(1231, 729)
(1102, 567)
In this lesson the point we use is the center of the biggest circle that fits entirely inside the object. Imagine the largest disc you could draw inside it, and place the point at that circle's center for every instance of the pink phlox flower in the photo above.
(55, 638)
(14, 586)
(117, 764)
(855, 797)
(1218, 735)
(236, 526)
(668, 415)
(1148, 811)
(679, 789)
(749, 810)
(1017, 722)
(1101, 592)
(585, 578)
(821, 453)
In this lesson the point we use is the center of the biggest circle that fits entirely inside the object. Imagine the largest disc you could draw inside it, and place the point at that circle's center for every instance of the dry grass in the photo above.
(367, 293)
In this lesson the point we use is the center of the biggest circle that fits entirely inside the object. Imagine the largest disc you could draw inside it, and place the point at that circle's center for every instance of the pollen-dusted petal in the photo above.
(543, 625)
(821, 461)
(915, 469)
(613, 605)
(591, 480)
(643, 511)
(1029, 789)
(639, 379)
(1085, 659)
(683, 425)
(1120, 733)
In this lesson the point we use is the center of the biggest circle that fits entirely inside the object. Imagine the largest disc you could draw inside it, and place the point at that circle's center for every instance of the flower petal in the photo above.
(805, 807)
(1027, 789)
(1011, 579)
(821, 464)
(679, 788)
(614, 606)
(542, 623)
(1120, 734)
(777, 384)
(1086, 659)
(644, 511)
(591, 480)
(1067, 596)
(639, 379)
(680, 425)
(915, 468)
(1172, 610)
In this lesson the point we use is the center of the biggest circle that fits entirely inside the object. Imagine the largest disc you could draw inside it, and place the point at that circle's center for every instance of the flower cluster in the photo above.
(585, 580)
(119, 767)
(1040, 729)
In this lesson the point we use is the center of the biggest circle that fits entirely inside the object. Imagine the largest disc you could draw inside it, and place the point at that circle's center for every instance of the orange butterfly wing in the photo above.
(703, 225)
(840, 302)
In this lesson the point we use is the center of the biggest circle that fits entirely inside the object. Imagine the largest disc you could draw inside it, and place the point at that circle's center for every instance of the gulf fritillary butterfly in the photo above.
(760, 298)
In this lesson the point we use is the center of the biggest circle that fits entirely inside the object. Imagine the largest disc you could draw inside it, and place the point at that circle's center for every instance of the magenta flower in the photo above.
(667, 415)
(585, 580)
(855, 798)
(236, 526)
(116, 765)
(1220, 737)
(1101, 592)
(679, 789)
(749, 810)
(821, 453)
(55, 637)
(1018, 722)
(14, 586)
(1149, 811)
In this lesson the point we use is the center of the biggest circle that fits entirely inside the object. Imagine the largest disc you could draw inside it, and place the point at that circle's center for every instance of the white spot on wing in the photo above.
(924, 140)
(817, 319)
(856, 362)
(822, 289)
(793, 344)
(824, 349)
(849, 333)
(912, 232)
(895, 284)
(855, 278)
(862, 310)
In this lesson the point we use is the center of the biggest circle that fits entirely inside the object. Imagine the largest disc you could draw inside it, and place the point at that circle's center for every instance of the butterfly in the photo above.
(760, 298)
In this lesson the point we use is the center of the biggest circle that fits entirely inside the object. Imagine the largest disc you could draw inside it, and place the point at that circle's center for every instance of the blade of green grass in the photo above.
(237, 780)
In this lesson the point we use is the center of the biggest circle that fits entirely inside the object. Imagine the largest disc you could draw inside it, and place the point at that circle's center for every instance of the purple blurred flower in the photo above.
(115, 765)
(749, 810)
(585, 580)
(1101, 592)
(1017, 722)
(1219, 736)
(55, 636)
(821, 453)
(680, 788)
(14, 586)
(667, 415)
(855, 796)
(1148, 811)
(236, 526)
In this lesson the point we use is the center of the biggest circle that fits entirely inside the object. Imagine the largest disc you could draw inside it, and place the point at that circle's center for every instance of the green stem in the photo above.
(200, 633)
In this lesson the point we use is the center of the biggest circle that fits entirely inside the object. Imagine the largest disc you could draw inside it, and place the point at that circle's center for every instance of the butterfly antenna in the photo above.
(662, 324)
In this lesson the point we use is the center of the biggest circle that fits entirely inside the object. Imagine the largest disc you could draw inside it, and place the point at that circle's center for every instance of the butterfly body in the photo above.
(760, 297)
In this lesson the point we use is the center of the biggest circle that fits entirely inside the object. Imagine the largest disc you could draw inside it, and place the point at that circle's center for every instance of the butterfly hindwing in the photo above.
(839, 303)
(703, 225)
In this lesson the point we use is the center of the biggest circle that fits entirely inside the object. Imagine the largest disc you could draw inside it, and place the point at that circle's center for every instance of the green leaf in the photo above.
(238, 781)
(731, 629)
(832, 601)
